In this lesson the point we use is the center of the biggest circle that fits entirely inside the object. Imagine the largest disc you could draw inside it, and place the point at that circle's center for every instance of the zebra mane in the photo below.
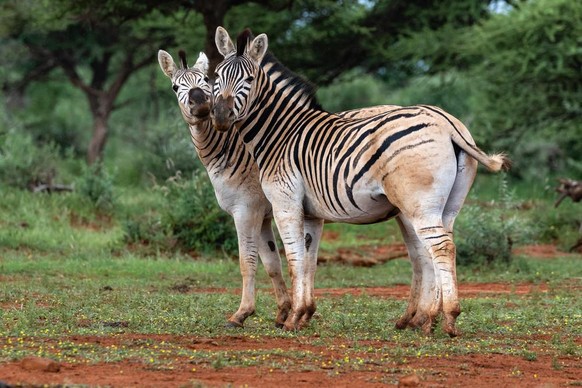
(242, 40)
(294, 79)
(183, 62)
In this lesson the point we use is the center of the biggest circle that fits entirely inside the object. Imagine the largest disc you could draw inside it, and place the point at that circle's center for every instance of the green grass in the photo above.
(66, 275)
(50, 304)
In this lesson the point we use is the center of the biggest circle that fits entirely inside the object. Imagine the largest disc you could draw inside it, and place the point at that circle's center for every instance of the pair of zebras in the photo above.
(271, 151)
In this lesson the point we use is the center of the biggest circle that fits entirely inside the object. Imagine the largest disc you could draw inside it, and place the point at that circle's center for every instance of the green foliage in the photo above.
(23, 163)
(187, 217)
(353, 90)
(64, 224)
(194, 217)
(166, 149)
(527, 82)
(557, 225)
(96, 185)
(486, 234)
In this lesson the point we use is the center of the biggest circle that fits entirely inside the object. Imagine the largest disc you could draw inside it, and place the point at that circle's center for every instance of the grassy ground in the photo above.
(52, 297)
(66, 272)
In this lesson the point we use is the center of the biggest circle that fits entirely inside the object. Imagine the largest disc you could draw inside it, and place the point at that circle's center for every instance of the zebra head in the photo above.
(190, 85)
(235, 84)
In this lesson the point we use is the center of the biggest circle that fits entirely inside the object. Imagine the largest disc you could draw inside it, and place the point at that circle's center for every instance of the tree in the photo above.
(326, 38)
(98, 45)
(526, 65)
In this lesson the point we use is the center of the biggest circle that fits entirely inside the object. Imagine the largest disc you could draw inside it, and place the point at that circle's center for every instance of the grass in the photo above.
(52, 299)
(67, 277)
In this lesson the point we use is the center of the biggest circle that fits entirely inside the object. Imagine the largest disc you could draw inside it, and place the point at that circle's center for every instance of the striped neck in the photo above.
(216, 150)
(284, 103)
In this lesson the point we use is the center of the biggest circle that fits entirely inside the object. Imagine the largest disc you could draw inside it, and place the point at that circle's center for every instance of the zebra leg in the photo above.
(422, 287)
(269, 255)
(442, 249)
(290, 223)
(466, 171)
(313, 231)
(247, 228)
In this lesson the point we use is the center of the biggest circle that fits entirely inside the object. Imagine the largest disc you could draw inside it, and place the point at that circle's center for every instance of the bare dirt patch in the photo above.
(327, 369)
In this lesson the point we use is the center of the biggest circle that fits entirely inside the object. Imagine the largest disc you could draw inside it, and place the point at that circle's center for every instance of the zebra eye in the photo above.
(206, 79)
(250, 79)
(175, 87)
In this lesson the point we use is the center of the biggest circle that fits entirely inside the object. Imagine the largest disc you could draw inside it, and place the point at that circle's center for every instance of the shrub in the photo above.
(164, 148)
(24, 164)
(188, 218)
(96, 185)
(485, 234)
(147, 230)
(194, 217)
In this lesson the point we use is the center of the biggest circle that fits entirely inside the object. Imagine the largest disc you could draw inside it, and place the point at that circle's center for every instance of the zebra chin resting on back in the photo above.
(235, 179)
(415, 163)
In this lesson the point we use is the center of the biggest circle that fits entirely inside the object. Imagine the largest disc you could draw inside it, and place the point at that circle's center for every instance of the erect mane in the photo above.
(294, 79)
(183, 62)
(242, 40)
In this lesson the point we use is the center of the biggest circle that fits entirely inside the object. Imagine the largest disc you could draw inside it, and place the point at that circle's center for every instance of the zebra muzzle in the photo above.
(222, 114)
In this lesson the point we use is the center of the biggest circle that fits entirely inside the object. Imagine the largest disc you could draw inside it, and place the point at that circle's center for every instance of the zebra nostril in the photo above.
(197, 96)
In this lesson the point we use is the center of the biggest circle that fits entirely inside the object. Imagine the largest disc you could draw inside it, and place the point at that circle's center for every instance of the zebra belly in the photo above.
(371, 208)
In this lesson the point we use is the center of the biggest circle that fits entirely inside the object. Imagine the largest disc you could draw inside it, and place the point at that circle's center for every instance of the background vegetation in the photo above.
(85, 104)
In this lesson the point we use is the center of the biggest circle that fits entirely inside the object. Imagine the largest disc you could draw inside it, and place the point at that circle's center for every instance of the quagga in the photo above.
(235, 180)
(414, 163)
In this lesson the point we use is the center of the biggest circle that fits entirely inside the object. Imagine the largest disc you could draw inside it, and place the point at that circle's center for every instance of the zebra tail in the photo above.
(462, 137)
(494, 162)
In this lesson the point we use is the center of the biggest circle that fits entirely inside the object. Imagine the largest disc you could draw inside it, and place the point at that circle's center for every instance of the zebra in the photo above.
(415, 164)
(235, 180)
(234, 177)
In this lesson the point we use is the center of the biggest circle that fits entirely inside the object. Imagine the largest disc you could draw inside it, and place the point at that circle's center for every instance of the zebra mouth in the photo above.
(201, 111)
(222, 114)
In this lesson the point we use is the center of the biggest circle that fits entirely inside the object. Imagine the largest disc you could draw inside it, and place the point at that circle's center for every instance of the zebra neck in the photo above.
(216, 150)
(281, 110)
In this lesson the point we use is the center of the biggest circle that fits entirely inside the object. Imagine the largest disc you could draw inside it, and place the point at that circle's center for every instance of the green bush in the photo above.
(188, 218)
(194, 217)
(147, 230)
(482, 236)
(557, 225)
(527, 83)
(24, 164)
(165, 147)
(96, 185)
(486, 233)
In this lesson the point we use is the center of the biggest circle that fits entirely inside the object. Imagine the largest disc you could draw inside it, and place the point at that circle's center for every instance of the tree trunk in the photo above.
(213, 12)
(101, 106)
(99, 139)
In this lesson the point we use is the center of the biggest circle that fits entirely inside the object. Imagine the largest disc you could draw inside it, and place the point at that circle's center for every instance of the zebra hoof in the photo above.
(451, 330)
(233, 325)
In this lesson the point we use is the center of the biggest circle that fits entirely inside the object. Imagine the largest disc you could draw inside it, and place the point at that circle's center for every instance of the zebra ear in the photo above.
(167, 63)
(223, 42)
(202, 63)
(258, 48)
